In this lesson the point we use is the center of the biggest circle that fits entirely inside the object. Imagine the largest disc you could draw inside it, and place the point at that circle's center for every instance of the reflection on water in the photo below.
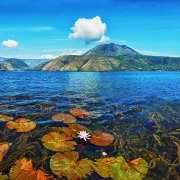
(20, 92)
(85, 82)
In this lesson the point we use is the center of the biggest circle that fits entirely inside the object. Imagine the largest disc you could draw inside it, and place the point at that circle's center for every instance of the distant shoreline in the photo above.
(99, 71)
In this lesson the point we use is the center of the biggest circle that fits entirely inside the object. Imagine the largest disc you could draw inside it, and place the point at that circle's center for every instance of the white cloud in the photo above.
(10, 43)
(29, 29)
(71, 52)
(40, 28)
(104, 39)
(48, 56)
(64, 51)
(89, 30)
(155, 53)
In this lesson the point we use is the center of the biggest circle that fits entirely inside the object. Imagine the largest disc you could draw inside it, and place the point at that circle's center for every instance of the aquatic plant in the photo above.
(101, 139)
(75, 128)
(104, 153)
(23, 170)
(3, 177)
(80, 113)
(134, 170)
(101, 166)
(4, 147)
(69, 165)
(21, 125)
(65, 118)
(159, 146)
(43, 176)
(84, 135)
(58, 142)
(5, 118)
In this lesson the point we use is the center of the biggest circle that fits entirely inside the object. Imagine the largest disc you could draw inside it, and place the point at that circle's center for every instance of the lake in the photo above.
(95, 91)
(139, 108)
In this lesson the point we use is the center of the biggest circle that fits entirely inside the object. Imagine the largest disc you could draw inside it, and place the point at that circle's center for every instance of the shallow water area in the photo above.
(141, 110)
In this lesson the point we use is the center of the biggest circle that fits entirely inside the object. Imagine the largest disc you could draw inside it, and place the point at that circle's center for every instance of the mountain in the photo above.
(2, 58)
(30, 62)
(35, 62)
(149, 63)
(104, 57)
(38, 67)
(12, 65)
(82, 63)
(111, 50)
(120, 63)
(112, 57)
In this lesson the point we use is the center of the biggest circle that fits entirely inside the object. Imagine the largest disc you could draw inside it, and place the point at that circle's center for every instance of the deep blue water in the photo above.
(103, 93)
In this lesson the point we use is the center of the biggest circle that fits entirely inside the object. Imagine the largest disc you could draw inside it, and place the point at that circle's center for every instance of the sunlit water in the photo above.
(94, 91)
(118, 100)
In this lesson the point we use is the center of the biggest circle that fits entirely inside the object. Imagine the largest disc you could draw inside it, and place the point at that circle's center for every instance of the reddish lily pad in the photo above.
(74, 129)
(65, 118)
(101, 139)
(23, 170)
(4, 147)
(80, 113)
(21, 125)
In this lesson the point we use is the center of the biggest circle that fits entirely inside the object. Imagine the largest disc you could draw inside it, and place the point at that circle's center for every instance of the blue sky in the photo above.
(42, 28)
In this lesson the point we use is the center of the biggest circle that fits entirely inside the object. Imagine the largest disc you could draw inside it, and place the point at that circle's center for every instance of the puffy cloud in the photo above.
(48, 56)
(10, 43)
(89, 30)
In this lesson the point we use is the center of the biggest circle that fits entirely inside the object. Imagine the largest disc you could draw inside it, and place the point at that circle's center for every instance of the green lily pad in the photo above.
(68, 164)
(3, 177)
(135, 170)
(58, 142)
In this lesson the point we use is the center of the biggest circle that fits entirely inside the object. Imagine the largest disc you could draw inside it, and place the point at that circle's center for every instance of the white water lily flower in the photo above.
(84, 135)
(104, 153)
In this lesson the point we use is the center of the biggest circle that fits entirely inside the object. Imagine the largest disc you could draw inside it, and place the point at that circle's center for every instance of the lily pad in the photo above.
(21, 125)
(4, 118)
(74, 129)
(4, 147)
(65, 118)
(67, 165)
(101, 166)
(43, 176)
(135, 170)
(56, 141)
(23, 170)
(80, 113)
(3, 177)
(101, 139)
